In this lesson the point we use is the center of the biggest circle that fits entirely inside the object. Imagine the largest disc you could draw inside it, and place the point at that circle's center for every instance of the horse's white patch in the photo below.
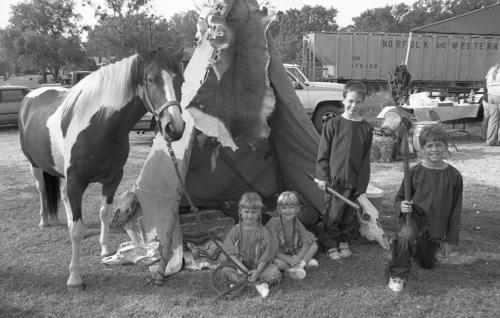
(39, 91)
(213, 127)
(57, 141)
(76, 232)
(168, 80)
(61, 146)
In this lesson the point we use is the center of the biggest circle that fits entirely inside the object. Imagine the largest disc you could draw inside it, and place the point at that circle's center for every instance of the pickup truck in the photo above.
(322, 100)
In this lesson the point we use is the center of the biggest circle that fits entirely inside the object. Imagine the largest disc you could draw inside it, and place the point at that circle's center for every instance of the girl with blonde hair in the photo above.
(296, 246)
(250, 243)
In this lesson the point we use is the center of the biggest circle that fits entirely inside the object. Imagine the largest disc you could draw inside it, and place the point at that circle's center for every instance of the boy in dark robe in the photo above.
(343, 163)
(435, 208)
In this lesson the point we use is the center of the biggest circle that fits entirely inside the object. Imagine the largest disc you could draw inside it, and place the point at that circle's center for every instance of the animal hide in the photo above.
(236, 98)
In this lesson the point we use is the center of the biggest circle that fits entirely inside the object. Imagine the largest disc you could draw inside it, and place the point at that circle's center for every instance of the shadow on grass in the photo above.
(7, 310)
(477, 274)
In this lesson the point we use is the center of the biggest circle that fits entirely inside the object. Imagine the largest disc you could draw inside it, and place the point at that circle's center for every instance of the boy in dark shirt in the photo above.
(436, 204)
(343, 163)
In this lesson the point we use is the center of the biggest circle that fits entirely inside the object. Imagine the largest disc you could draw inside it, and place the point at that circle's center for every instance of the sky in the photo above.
(347, 9)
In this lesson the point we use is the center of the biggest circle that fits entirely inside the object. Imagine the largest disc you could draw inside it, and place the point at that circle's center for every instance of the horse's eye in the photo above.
(150, 80)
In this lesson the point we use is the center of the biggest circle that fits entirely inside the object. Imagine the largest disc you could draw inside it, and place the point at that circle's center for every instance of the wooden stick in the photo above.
(335, 193)
(406, 169)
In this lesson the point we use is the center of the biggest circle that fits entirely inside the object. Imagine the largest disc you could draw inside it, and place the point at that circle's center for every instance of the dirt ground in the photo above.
(33, 262)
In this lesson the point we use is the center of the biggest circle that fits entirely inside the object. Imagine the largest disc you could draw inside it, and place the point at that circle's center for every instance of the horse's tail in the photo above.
(52, 193)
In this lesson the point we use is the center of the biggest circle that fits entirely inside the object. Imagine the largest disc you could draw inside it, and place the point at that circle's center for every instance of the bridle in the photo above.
(150, 107)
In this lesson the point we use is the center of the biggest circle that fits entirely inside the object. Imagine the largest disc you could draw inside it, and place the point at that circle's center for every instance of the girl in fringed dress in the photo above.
(250, 243)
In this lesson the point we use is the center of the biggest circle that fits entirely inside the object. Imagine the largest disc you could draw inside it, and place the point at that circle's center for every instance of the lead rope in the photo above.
(159, 277)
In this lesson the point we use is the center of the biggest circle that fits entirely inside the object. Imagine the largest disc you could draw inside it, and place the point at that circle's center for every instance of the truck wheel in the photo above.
(324, 114)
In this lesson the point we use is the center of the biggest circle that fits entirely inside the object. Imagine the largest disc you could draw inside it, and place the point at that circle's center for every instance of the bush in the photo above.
(373, 104)
(382, 149)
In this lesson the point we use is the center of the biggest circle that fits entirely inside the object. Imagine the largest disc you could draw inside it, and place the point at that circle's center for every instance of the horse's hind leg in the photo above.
(106, 211)
(42, 191)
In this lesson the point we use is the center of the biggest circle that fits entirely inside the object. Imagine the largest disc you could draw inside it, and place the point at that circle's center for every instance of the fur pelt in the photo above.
(237, 89)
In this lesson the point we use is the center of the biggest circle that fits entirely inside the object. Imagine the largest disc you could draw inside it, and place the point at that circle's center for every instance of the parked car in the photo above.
(10, 103)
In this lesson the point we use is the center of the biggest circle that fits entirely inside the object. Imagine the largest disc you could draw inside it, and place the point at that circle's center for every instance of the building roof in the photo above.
(484, 21)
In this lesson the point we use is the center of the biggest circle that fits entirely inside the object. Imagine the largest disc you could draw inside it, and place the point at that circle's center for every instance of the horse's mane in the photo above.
(107, 89)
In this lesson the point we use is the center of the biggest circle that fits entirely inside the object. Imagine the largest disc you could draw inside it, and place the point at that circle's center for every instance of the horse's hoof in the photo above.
(105, 252)
(49, 223)
(43, 225)
(76, 288)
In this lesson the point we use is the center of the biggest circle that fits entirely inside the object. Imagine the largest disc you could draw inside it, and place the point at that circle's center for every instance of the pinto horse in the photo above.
(80, 136)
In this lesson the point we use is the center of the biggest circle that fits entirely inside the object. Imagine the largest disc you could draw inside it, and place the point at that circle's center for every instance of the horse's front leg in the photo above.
(75, 188)
(106, 212)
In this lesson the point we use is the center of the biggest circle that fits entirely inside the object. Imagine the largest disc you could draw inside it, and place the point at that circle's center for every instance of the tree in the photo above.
(293, 24)
(403, 18)
(127, 27)
(43, 33)
(119, 37)
(8, 51)
(182, 29)
(384, 19)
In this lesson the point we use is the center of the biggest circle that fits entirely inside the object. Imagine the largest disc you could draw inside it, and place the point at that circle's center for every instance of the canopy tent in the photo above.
(482, 21)
(480, 30)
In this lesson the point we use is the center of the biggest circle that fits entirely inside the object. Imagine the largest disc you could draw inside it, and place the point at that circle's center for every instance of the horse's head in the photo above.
(162, 92)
